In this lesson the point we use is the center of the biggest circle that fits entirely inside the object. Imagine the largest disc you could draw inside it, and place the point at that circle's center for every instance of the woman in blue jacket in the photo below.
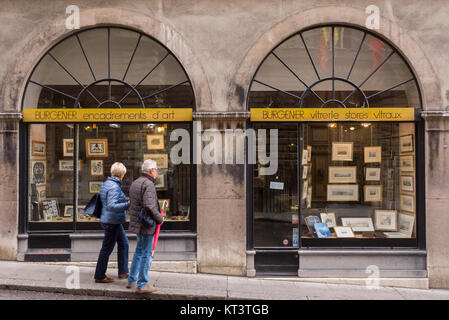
(112, 218)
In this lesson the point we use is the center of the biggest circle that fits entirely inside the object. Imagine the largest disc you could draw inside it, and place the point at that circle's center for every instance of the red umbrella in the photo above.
(156, 235)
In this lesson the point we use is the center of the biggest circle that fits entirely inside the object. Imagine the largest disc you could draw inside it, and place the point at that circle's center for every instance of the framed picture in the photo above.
(38, 172)
(372, 174)
(385, 220)
(329, 218)
(342, 151)
(161, 182)
(96, 167)
(406, 143)
(38, 148)
(344, 232)
(305, 185)
(305, 157)
(358, 224)
(305, 172)
(342, 192)
(67, 165)
(68, 211)
(310, 221)
(94, 186)
(343, 174)
(322, 230)
(407, 203)
(160, 158)
(372, 154)
(67, 147)
(96, 147)
(309, 153)
(50, 208)
(407, 183)
(406, 163)
(372, 193)
(155, 142)
(405, 224)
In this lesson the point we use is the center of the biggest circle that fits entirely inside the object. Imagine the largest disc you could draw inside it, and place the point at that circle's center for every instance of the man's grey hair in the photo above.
(148, 165)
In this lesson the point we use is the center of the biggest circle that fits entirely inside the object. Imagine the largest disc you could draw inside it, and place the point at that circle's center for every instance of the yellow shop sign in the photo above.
(107, 115)
(332, 114)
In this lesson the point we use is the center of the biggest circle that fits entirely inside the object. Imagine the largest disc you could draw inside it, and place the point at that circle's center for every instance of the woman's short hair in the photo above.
(118, 169)
(148, 165)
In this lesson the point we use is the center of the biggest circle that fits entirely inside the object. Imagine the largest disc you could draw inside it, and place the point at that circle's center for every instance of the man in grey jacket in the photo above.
(142, 194)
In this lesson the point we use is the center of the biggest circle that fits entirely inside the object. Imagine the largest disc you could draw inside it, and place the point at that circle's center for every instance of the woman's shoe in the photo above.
(105, 280)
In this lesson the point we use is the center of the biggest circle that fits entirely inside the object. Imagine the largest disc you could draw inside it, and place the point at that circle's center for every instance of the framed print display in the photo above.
(343, 174)
(67, 147)
(38, 172)
(68, 211)
(305, 172)
(96, 167)
(407, 184)
(94, 186)
(358, 224)
(406, 163)
(372, 174)
(67, 165)
(322, 230)
(161, 182)
(406, 143)
(305, 157)
(155, 142)
(342, 192)
(96, 147)
(407, 203)
(310, 221)
(38, 148)
(385, 220)
(309, 153)
(329, 218)
(342, 151)
(405, 224)
(305, 184)
(372, 193)
(50, 207)
(160, 158)
(344, 232)
(372, 154)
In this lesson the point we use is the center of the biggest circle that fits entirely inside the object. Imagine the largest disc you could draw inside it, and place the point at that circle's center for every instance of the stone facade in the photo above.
(220, 44)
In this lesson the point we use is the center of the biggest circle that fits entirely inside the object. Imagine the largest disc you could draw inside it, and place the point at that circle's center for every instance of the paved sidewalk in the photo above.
(53, 278)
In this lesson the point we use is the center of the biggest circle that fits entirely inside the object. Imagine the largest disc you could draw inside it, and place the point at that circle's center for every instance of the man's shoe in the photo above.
(130, 285)
(146, 289)
(123, 276)
(105, 280)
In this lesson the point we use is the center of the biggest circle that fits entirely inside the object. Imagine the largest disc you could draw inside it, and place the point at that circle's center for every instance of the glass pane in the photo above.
(359, 181)
(51, 173)
(319, 43)
(276, 196)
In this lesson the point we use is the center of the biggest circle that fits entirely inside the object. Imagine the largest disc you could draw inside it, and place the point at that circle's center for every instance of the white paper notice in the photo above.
(276, 185)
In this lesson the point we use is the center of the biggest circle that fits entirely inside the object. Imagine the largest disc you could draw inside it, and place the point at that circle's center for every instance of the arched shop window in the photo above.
(116, 69)
(349, 175)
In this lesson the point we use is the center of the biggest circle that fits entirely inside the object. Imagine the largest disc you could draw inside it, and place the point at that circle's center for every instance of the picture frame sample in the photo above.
(305, 185)
(96, 147)
(305, 172)
(38, 148)
(161, 182)
(305, 157)
(68, 211)
(309, 153)
(155, 142)
(407, 163)
(405, 224)
(344, 232)
(342, 192)
(358, 224)
(96, 167)
(372, 193)
(38, 172)
(67, 165)
(406, 143)
(407, 203)
(385, 220)
(372, 174)
(67, 147)
(94, 186)
(310, 221)
(322, 230)
(50, 207)
(407, 183)
(160, 158)
(343, 174)
(329, 218)
(342, 151)
(372, 154)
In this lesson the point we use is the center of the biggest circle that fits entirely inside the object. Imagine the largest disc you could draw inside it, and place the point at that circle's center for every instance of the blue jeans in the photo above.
(141, 260)
(113, 233)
